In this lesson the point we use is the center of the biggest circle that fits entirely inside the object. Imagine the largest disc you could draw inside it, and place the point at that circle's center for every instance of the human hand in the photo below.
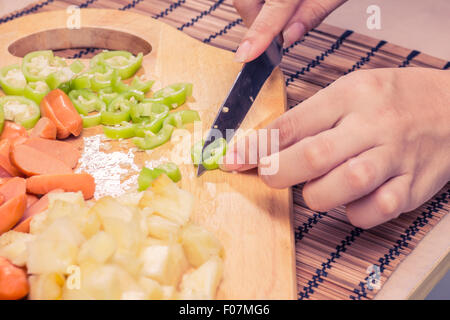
(267, 19)
(377, 141)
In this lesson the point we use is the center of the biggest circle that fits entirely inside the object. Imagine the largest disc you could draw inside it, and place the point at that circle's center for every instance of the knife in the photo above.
(246, 87)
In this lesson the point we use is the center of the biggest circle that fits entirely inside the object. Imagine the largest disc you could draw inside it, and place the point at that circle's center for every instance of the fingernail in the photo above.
(293, 33)
(232, 161)
(243, 52)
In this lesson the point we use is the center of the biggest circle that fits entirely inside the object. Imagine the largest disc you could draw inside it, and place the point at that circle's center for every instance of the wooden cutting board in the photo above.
(253, 222)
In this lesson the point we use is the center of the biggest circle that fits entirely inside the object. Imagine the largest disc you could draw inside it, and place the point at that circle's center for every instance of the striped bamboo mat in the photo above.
(332, 256)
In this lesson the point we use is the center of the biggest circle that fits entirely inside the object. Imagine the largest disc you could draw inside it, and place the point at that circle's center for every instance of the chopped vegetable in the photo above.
(38, 65)
(20, 110)
(138, 84)
(107, 95)
(196, 152)
(58, 107)
(12, 80)
(123, 131)
(174, 95)
(86, 101)
(36, 91)
(151, 140)
(73, 182)
(212, 154)
(147, 176)
(180, 118)
(92, 120)
(124, 62)
(100, 77)
(149, 111)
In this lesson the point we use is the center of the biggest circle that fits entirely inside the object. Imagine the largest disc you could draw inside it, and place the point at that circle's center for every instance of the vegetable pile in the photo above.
(136, 246)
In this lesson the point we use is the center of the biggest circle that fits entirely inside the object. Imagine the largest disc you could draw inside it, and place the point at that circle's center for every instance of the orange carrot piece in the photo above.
(74, 182)
(44, 128)
(64, 151)
(12, 131)
(5, 163)
(33, 162)
(38, 207)
(13, 188)
(13, 281)
(57, 106)
(11, 212)
(31, 199)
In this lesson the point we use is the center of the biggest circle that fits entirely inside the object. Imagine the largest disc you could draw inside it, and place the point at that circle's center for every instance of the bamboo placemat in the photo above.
(332, 256)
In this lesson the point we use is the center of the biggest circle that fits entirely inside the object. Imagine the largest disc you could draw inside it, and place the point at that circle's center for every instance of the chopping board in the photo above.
(253, 222)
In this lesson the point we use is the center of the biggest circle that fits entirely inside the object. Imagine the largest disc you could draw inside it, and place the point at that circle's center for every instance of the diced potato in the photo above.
(128, 260)
(99, 248)
(75, 212)
(202, 283)
(130, 199)
(55, 249)
(199, 244)
(161, 228)
(120, 221)
(75, 198)
(39, 222)
(168, 292)
(167, 200)
(13, 246)
(153, 290)
(91, 224)
(46, 286)
(164, 263)
(134, 295)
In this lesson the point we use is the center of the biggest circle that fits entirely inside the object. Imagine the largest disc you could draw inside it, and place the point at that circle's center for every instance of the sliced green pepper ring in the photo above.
(82, 81)
(36, 91)
(12, 80)
(212, 154)
(123, 131)
(77, 66)
(148, 111)
(124, 62)
(180, 118)
(107, 95)
(147, 176)
(132, 96)
(137, 85)
(151, 140)
(86, 101)
(101, 77)
(38, 65)
(174, 95)
(91, 120)
(20, 110)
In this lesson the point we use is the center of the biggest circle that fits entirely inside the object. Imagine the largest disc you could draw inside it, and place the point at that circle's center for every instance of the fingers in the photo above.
(269, 22)
(319, 113)
(384, 204)
(351, 180)
(314, 156)
(248, 9)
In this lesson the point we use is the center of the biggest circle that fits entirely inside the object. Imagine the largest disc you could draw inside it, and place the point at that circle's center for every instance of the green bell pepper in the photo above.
(123, 131)
(86, 101)
(124, 62)
(38, 65)
(91, 120)
(136, 85)
(82, 81)
(12, 80)
(174, 95)
(148, 111)
(101, 77)
(180, 118)
(212, 154)
(36, 91)
(107, 95)
(147, 176)
(77, 66)
(151, 140)
(20, 110)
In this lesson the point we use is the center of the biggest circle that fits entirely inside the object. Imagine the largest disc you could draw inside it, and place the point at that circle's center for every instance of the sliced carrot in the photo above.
(12, 131)
(5, 163)
(32, 162)
(57, 106)
(38, 207)
(13, 281)
(64, 151)
(68, 182)
(11, 212)
(13, 188)
(44, 128)
(31, 199)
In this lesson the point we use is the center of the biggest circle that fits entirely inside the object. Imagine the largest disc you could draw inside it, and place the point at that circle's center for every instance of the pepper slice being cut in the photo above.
(212, 154)
(147, 176)
(91, 120)
(86, 101)
(151, 140)
(12, 80)
(124, 62)
(20, 110)
(123, 131)
(38, 65)
(36, 91)
(174, 95)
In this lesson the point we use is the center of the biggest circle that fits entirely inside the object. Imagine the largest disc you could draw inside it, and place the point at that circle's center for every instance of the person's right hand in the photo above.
(266, 19)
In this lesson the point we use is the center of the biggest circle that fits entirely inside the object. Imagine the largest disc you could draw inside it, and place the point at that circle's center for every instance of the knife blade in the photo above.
(243, 93)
